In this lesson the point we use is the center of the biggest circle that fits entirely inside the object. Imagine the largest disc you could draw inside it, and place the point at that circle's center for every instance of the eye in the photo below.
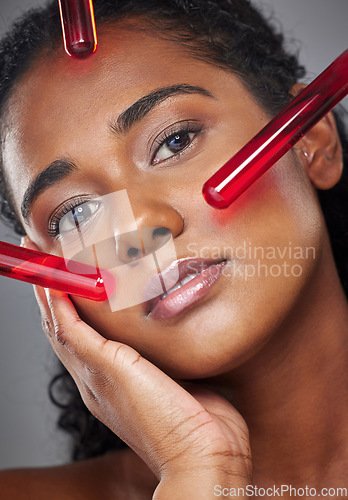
(173, 143)
(77, 216)
(71, 216)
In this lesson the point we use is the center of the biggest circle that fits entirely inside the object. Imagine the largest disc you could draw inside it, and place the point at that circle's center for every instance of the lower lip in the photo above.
(188, 294)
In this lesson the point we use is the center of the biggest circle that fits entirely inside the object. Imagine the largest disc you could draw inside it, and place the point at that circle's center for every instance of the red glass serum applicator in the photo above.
(280, 135)
(50, 271)
(78, 25)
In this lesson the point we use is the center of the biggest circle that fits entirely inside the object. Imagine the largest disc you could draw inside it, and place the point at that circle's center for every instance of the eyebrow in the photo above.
(124, 122)
(56, 171)
(143, 106)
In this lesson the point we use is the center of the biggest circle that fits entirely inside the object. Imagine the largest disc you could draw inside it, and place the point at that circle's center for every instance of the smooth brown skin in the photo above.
(275, 348)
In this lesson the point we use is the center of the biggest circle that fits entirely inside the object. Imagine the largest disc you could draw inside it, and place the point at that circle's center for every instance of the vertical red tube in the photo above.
(78, 25)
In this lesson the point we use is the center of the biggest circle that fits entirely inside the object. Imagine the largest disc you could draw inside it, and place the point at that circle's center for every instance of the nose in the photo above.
(156, 225)
(136, 244)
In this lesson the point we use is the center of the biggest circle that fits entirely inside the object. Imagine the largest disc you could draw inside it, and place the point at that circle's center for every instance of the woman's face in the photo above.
(62, 109)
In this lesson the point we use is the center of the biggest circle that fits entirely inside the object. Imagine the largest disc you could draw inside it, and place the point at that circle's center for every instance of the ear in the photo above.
(320, 150)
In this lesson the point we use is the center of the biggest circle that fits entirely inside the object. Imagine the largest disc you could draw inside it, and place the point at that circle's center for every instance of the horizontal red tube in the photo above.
(78, 25)
(280, 135)
(51, 271)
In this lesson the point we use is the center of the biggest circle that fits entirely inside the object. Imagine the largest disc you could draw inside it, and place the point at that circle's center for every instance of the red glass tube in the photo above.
(78, 24)
(51, 271)
(280, 135)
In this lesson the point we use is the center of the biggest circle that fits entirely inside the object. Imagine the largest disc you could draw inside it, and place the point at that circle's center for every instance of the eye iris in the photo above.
(81, 213)
(76, 217)
(178, 142)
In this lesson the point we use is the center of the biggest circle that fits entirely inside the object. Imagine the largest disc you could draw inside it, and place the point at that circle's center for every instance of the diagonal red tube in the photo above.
(51, 271)
(280, 135)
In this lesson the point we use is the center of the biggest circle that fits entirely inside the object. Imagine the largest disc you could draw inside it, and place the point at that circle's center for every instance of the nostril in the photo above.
(133, 252)
(160, 231)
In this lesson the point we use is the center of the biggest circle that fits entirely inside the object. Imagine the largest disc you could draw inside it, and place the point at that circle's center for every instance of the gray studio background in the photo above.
(27, 419)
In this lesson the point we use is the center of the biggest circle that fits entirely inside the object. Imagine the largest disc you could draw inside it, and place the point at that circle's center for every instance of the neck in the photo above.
(294, 393)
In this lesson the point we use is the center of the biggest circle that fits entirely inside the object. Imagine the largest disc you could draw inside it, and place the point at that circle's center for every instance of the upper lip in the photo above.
(174, 273)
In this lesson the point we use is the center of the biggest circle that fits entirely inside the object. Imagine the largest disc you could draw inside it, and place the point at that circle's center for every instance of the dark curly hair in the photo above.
(229, 34)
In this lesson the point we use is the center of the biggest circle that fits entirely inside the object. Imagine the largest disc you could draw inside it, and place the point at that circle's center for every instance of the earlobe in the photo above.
(321, 150)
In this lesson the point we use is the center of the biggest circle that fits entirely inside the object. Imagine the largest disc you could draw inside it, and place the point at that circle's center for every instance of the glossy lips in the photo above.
(196, 277)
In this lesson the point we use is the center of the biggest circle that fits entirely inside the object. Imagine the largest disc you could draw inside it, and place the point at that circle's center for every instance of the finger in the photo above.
(70, 331)
(41, 298)
(86, 351)
(118, 383)
(46, 318)
(48, 328)
(67, 334)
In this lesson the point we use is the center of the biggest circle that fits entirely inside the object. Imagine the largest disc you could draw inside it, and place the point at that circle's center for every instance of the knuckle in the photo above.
(90, 396)
(138, 358)
(47, 326)
(93, 371)
(120, 356)
(95, 376)
(125, 356)
(76, 322)
(60, 334)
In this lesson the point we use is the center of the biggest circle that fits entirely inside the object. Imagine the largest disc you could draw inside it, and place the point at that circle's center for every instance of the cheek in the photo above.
(297, 205)
(279, 230)
(281, 208)
(274, 236)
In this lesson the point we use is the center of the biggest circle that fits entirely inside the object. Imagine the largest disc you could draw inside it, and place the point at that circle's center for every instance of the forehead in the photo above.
(128, 64)
(61, 96)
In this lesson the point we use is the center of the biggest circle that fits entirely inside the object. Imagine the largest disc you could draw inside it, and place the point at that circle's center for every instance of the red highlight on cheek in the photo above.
(55, 272)
(78, 24)
(280, 135)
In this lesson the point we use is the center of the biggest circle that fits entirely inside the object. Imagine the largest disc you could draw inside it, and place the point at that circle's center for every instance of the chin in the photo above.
(198, 362)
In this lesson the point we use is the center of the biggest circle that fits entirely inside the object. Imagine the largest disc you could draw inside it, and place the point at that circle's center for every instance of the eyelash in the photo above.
(171, 133)
(58, 214)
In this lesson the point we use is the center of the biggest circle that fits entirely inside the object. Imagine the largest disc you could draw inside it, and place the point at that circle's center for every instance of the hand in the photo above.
(193, 437)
